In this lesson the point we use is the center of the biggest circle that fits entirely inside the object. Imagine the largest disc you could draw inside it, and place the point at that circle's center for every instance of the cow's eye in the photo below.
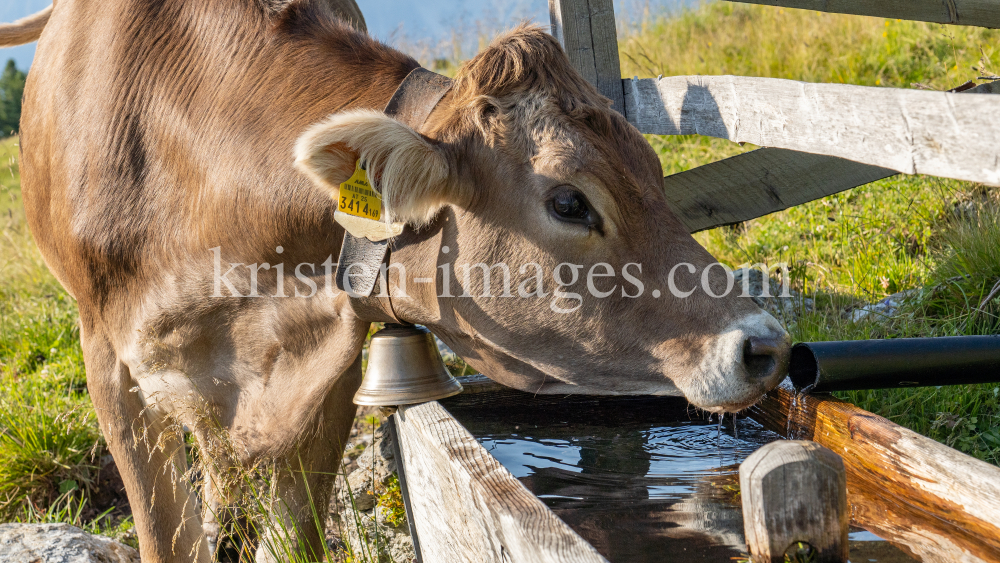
(571, 206)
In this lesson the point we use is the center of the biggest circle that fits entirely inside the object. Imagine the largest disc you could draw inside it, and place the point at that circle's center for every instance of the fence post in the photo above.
(795, 491)
(586, 29)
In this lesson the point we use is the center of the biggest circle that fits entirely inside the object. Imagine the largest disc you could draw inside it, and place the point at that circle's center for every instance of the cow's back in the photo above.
(153, 131)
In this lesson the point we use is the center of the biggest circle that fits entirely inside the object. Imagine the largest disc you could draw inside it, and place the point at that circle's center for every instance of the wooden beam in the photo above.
(760, 182)
(987, 88)
(765, 181)
(795, 491)
(909, 131)
(586, 29)
(468, 507)
(934, 502)
(981, 13)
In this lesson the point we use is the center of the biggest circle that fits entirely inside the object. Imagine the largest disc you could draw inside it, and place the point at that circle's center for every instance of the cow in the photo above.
(182, 160)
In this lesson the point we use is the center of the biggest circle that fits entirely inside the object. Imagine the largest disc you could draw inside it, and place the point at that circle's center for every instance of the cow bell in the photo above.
(404, 367)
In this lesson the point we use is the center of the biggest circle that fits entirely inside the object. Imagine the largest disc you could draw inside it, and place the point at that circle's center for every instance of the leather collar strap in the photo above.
(411, 105)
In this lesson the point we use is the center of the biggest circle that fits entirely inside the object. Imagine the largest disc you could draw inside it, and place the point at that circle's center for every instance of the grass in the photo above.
(940, 237)
(71, 508)
(749, 40)
(936, 235)
(50, 444)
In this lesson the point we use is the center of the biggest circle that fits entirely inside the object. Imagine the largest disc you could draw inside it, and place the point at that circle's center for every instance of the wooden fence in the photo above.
(820, 139)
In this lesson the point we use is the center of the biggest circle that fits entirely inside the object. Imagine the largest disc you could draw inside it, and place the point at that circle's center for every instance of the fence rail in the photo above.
(939, 503)
(910, 131)
(767, 180)
(760, 182)
(980, 13)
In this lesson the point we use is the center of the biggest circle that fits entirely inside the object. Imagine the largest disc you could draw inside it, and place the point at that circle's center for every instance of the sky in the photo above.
(425, 27)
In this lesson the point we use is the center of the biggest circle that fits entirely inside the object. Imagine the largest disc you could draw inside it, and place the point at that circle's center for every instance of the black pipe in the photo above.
(895, 362)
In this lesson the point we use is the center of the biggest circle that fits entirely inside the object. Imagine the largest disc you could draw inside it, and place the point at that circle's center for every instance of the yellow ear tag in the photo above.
(359, 209)
(358, 198)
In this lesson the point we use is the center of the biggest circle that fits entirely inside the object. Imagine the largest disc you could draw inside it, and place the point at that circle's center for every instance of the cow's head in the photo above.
(525, 164)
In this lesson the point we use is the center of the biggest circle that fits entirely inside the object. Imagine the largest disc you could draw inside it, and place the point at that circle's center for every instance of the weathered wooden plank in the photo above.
(938, 504)
(981, 13)
(795, 491)
(756, 183)
(987, 88)
(765, 181)
(910, 131)
(467, 507)
(586, 29)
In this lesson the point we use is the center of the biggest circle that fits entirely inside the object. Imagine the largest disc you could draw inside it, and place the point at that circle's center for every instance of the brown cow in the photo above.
(157, 144)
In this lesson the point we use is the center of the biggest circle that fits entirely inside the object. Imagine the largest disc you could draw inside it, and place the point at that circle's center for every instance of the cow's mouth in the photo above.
(734, 407)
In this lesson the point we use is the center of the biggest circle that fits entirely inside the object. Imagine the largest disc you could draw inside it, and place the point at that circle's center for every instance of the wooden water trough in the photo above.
(931, 501)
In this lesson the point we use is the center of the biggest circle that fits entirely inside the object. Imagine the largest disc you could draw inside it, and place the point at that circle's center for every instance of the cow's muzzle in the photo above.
(766, 357)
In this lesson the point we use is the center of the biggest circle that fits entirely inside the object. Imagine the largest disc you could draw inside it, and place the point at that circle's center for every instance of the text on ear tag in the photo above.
(358, 198)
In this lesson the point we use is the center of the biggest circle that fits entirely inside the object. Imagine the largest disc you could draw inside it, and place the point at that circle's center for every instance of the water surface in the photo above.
(641, 480)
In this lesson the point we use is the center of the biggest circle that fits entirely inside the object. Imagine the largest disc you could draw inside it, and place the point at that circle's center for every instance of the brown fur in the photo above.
(24, 30)
(526, 60)
(156, 131)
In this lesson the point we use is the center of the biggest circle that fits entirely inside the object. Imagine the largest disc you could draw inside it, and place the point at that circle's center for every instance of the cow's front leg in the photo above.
(150, 457)
(303, 481)
(224, 503)
(214, 502)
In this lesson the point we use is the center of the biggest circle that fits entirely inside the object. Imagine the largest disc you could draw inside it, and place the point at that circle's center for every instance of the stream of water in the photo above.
(651, 484)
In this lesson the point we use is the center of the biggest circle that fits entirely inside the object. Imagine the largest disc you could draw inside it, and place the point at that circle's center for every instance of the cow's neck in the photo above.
(266, 91)
(411, 104)
(416, 256)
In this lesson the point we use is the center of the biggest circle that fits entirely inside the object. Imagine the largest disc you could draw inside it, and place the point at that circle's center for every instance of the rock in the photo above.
(967, 211)
(359, 490)
(455, 364)
(381, 455)
(363, 481)
(785, 306)
(394, 544)
(358, 526)
(59, 543)
(882, 310)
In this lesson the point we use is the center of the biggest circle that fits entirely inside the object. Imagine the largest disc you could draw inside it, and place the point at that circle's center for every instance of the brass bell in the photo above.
(404, 367)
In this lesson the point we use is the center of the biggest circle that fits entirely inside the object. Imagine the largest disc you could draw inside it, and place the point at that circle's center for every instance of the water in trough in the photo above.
(637, 478)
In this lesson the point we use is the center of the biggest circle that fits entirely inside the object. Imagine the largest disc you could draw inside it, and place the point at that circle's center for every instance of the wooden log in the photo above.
(586, 29)
(910, 131)
(981, 13)
(760, 182)
(934, 502)
(795, 491)
(467, 507)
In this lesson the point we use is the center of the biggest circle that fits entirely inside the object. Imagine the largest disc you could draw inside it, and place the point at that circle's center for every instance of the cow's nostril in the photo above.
(763, 357)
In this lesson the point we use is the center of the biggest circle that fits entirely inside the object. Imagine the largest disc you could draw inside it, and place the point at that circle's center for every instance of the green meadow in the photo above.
(939, 238)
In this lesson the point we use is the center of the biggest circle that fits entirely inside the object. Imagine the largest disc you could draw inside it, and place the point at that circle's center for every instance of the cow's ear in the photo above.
(411, 173)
